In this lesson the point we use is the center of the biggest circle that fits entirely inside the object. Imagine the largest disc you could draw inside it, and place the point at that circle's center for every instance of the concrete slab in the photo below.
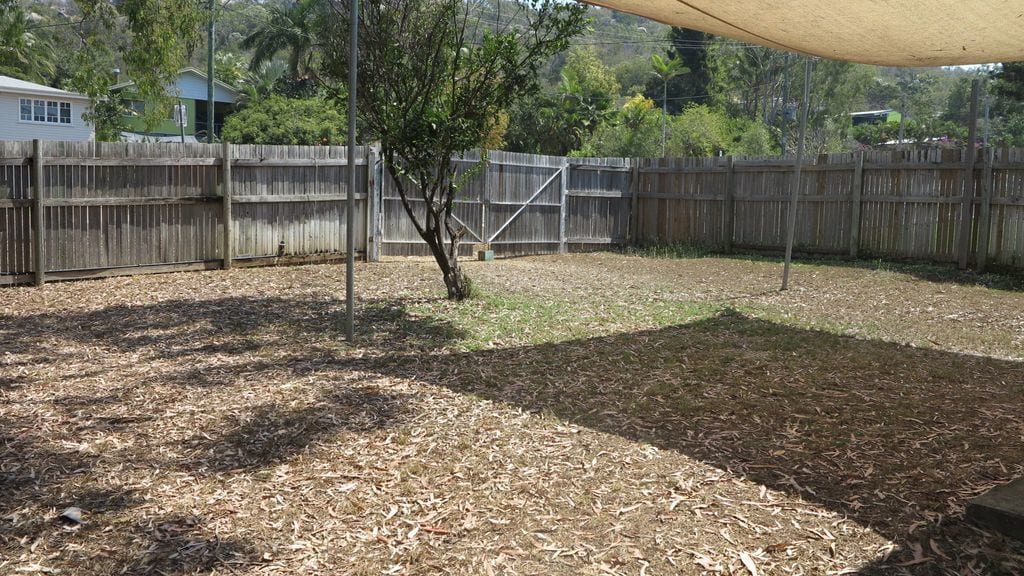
(1001, 509)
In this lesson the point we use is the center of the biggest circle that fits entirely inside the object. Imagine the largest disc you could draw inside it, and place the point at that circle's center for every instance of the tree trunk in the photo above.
(448, 261)
(439, 220)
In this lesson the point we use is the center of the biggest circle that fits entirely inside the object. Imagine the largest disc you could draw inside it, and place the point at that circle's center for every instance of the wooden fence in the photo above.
(88, 209)
(91, 209)
(880, 204)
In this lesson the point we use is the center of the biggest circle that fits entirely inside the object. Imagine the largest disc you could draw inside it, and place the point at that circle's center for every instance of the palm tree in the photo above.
(259, 83)
(23, 53)
(286, 28)
(666, 69)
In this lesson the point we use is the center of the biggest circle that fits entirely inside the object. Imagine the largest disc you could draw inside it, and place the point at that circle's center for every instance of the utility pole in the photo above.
(903, 117)
(209, 74)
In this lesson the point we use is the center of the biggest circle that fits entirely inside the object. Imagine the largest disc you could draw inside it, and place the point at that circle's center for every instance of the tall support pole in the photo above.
(38, 214)
(855, 204)
(634, 202)
(563, 210)
(784, 140)
(228, 247)
(985, 214)
(795, 198)
(967, 200)
(350, 212)
(209, 75)
(729, 206)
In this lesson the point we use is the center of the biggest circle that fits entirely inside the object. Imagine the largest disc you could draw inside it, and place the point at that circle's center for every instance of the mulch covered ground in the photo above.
(586, 414)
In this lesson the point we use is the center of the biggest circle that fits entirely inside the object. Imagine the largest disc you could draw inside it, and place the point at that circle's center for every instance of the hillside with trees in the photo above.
(626, 86)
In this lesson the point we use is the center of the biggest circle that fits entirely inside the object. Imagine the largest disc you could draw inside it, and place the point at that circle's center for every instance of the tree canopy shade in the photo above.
(906, 33)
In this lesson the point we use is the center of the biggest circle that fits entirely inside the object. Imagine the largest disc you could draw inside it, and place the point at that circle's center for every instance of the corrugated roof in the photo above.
(8, 84)
(889, 33)
(189, 70)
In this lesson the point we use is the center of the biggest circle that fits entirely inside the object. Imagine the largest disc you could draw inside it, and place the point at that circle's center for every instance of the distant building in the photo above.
(29, 111)
(876, 117)
(190, 90)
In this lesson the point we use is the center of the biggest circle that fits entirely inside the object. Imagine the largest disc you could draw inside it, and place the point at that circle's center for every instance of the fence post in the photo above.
(729, 207)
(855, 196)
(985, 222)
(38, 213)
(634, 201)
(229, 236)
(967, 201)
(372, 207)
(563, 207)
(485, 195)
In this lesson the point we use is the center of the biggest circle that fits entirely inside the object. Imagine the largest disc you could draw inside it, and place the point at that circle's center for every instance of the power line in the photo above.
(59, 24)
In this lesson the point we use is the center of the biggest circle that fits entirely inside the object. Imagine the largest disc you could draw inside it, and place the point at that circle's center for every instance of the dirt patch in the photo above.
(587, 414)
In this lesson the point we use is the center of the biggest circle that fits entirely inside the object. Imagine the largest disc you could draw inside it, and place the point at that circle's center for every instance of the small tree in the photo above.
(434, 75)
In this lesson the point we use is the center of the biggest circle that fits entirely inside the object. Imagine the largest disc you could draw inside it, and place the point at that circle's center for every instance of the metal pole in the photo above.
(967, 198)
(350, 213)
(209, 76)
(785, 107)
(984, 138)
(791, 231)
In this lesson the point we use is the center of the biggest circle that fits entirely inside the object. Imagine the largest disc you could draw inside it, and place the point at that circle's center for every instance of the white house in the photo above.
(29, 111)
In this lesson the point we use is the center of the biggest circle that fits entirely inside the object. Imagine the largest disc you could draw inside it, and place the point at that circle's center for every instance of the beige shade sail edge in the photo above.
(883, 32)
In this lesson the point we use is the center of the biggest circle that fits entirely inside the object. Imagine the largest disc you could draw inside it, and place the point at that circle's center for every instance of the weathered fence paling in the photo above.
(883, 204)
(102, 209)
(91, 209)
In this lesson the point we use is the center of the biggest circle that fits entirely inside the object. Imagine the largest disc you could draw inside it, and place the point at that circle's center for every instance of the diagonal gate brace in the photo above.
(560, 172)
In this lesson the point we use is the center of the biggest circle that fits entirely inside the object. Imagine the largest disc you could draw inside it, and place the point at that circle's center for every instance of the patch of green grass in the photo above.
(497, 318)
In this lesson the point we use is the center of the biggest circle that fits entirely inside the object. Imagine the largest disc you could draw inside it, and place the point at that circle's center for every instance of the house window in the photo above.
(45, 111)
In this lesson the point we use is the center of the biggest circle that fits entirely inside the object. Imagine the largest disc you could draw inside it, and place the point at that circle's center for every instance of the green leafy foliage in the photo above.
(160, 34)
(1008, 81)
(634, 133)
(230, 68)
(107, 117)
(24, 53)
(931, 133)
(690, 48)
(279, 120)
(288, 28)
(561, 120)
(698, 131)
(432, 82)
(704, 131)
(1009, 130)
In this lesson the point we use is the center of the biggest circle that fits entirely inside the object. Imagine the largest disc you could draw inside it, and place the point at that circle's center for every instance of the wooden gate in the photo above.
(516, 204)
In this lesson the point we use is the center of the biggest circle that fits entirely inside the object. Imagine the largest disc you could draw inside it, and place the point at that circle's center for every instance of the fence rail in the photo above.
(86, 209)
(92, 209)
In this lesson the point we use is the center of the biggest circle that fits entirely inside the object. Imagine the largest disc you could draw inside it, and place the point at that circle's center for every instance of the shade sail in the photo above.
(885, 32)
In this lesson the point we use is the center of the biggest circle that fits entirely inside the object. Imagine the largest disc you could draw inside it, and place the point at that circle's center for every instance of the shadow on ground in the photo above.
(155, 356)
(893, 437)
